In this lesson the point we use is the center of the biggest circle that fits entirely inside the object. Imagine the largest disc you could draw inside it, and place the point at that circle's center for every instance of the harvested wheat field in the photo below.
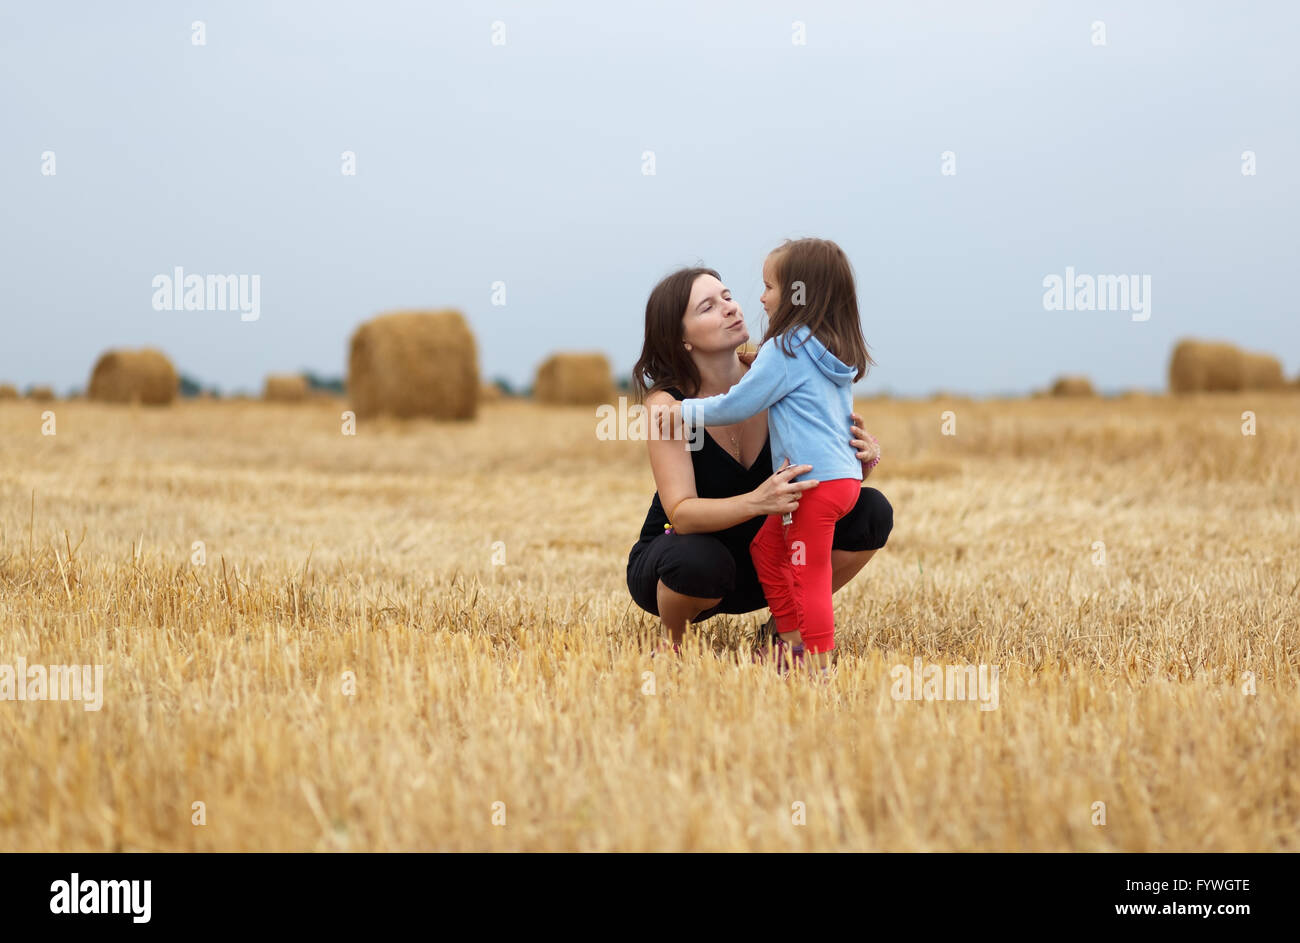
(1131, 567)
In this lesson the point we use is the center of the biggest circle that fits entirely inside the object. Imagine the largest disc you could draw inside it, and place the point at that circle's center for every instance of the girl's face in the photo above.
(771, 296)
(713, 320)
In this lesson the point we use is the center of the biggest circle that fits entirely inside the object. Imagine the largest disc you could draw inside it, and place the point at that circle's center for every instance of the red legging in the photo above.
(794, 563)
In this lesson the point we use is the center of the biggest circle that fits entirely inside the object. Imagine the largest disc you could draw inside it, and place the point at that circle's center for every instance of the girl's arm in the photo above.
(766, 382)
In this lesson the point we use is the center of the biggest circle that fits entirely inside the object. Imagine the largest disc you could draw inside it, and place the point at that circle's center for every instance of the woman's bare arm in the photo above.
(670, 461)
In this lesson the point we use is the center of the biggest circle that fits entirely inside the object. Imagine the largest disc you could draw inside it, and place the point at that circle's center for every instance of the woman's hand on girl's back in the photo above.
(867, 448)
(778, 494)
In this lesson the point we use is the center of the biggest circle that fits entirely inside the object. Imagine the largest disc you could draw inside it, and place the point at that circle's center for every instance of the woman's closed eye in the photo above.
(708, 305)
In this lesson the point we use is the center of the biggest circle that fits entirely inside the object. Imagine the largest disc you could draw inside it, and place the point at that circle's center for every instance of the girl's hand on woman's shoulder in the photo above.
(669, 417)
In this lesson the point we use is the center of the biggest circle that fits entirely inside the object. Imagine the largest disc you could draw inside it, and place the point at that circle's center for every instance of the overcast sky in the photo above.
(522, 162)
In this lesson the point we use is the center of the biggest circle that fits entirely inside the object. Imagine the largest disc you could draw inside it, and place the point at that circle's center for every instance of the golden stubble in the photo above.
(471, 578)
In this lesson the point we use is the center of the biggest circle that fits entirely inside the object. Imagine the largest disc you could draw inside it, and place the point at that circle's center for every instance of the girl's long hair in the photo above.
(817, 290)
(664, 361)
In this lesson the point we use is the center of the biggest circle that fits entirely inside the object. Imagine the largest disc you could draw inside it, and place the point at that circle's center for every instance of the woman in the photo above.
(719, 494)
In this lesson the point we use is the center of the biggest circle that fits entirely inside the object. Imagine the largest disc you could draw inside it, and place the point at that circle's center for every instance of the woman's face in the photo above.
(713, 321)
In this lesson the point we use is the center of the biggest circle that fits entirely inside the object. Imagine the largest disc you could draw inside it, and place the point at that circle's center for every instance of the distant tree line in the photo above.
(192, 387)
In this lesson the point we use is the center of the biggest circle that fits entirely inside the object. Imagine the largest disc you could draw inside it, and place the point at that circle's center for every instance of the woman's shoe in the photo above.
(665, 647)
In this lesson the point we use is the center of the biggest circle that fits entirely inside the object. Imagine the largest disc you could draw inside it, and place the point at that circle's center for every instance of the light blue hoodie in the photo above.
(808, 398)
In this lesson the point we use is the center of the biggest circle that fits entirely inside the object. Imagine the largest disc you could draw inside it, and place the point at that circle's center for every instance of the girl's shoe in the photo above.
(790, 657)
(786, 656)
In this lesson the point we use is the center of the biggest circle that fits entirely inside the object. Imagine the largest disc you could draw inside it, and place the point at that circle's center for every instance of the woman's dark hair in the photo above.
(664, 361)
(817, 290)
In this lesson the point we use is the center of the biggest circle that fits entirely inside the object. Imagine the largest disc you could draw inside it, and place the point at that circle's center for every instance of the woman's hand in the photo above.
(867, 447)
(780, 495)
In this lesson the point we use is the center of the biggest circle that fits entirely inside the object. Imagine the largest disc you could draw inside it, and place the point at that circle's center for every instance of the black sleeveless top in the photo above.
(718, 475)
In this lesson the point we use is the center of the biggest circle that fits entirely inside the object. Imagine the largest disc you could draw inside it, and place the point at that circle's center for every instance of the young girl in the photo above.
(809, 359)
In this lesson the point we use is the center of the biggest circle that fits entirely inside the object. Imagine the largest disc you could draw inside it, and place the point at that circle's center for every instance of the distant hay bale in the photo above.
(42, 394)
(574, 379)
(1261, 372)
(1206, 367)
(491, 393)
(8, 391)
(1073, 386)
(414, 363)
(285, 388)
(125, 376)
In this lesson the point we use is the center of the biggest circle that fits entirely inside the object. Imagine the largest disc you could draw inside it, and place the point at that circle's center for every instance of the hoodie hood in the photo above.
(831, 366)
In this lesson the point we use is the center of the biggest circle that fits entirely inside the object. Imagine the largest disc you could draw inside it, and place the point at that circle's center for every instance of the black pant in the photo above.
(702, 565)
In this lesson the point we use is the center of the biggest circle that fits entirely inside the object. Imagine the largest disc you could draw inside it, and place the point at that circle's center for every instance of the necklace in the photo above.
(735, 442)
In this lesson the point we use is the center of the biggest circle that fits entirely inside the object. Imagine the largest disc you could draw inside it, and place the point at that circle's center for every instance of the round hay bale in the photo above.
(8, 391)
(42, 394)
(1073, 386)
(125, 376)
(285, 388)
(1205, 366)
(490, 393)
(414, 363)
(1261, 372)
(574, 379)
